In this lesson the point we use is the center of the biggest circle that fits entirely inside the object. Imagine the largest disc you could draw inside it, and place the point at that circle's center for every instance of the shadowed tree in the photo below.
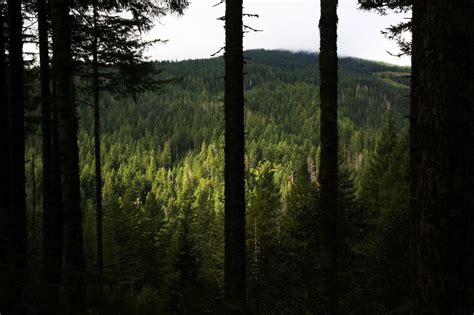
(52, 251)
(74, 261)
(114, 38)
(441, 154)
(234, 171)
(4, 168)
(5, 161)
(17, 202)
(329, 154)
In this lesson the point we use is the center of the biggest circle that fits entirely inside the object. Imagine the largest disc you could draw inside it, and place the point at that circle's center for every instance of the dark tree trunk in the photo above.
(52, 249)
(4, 166)
(4, 141)
(98, 167)
(329, 154)
(442, 155)
(17, 202)
(74, 261)
(234, 173)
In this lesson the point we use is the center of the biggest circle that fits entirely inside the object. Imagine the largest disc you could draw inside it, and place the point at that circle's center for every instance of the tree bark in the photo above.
(4, 141)
(234, 173)
(52, 245)
(17, 202)
(97, 153)
(4, 166)
(442, 155)
(74, 261)
(328, 170)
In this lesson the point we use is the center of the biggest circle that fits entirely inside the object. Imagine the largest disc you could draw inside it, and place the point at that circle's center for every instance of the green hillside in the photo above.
(163, 186)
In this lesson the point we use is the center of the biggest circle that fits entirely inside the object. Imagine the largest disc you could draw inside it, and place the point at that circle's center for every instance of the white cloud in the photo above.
(286, 24)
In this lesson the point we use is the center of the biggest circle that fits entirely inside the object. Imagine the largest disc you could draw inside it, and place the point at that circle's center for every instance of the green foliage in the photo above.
(163, 189)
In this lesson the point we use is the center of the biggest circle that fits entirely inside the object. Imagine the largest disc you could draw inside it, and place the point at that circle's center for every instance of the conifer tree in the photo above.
(52, 251)
(441, 154)
(114, 39)
(234, 170)
(379, 164)
(4, 137)
(5, 162)
(262, 215)
(17, 202)
(74, 260)
(329, 154)
(299, 237)
(186, 284)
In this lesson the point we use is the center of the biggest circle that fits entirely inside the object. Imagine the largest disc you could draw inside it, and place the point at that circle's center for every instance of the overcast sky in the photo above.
(286, 24)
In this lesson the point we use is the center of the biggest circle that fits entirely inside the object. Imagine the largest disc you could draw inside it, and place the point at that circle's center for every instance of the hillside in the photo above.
(282, 106)
(163, 184)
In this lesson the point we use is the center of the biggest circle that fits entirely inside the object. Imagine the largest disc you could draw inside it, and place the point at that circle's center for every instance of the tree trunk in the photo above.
(329, 154)
(52, 249)
(17, 202)
(4, 166)
(4, 141)
(442, 155)
(74, 261)
(97, 154)
(234, 173)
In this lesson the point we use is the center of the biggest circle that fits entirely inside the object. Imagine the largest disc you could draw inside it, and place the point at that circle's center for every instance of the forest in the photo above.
(256, 182)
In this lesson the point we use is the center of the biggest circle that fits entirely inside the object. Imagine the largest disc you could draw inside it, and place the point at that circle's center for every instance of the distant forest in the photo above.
(259, 182)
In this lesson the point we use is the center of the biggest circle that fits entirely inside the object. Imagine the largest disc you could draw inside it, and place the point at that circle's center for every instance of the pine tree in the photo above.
(329, 156)
(17, 203)
(264, 207)
(52, 251)
(5, 161)
(262, 215)
(441, 154)
(74, 260)
(372, 183)
(234, 170)
(4, 116)
(299, 276)
(186, 284)
(114, 39)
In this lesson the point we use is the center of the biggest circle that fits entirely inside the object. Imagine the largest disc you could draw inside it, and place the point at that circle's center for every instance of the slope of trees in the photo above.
(328, 201)
(164, 191)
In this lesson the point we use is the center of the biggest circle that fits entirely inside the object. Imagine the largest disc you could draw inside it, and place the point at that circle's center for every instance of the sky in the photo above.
(286, 24)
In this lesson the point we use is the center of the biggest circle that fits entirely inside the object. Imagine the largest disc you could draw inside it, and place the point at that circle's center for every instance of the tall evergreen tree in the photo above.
(329, 153)
(234, 171)
(17, 202)
(4, 122)
(52, 247)
(299, 238)
(5, 161)
(372, 184)
(262, 215)
(97, 153)
(74, 261)
(441, 154)
(114, 38)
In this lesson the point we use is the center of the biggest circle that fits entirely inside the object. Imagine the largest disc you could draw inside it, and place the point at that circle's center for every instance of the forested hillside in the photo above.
(282, 110)
(163, 187)
(258, 182)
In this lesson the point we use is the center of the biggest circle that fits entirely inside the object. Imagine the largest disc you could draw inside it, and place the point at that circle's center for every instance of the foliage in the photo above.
(163, 189)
